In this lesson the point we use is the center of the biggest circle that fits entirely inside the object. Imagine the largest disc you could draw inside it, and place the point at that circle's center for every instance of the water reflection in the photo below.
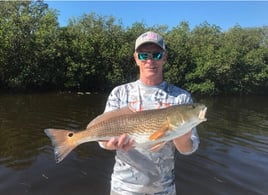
(235, 144)
(232, 158)
(24, 117)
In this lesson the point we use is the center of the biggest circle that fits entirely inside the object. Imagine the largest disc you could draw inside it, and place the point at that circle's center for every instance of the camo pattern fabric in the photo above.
(138, 171)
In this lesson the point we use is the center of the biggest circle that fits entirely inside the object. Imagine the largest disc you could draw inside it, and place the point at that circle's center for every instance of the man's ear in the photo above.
(165, 57)
(135, 56)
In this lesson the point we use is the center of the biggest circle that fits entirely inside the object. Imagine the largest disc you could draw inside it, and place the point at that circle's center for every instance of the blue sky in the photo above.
(225, 14)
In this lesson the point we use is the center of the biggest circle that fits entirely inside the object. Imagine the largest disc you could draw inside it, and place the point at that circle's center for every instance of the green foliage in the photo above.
(95, 53)
(29, 33)
(179, 57)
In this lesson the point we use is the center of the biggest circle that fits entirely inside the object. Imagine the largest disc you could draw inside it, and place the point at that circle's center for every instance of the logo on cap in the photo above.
(149, 36)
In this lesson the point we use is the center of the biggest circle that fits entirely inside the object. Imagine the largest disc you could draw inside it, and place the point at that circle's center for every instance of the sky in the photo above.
(225, 14)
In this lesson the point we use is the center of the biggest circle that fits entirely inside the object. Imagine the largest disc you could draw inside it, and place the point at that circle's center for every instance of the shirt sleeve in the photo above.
(113, 100)
(194, 137)
(112, 103)
(195, 140)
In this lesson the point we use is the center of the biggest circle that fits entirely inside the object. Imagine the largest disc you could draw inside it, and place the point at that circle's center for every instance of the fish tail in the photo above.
(63, 142)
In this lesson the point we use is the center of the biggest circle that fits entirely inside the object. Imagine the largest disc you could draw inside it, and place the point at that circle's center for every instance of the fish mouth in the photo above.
(202, 114)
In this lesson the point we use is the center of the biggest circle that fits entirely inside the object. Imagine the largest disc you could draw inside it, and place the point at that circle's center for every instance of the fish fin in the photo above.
(160, 133)
(63, 142)
(110, 115)
(157, 147)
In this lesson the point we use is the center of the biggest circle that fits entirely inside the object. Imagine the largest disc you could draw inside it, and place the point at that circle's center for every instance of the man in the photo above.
(139, 171)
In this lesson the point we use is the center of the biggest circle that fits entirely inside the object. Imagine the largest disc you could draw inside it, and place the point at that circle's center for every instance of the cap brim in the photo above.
(149, 41)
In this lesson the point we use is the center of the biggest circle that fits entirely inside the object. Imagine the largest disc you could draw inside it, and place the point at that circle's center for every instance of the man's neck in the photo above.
(151, 82)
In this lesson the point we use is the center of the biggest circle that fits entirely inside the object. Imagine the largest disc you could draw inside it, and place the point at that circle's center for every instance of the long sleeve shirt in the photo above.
(140, 171)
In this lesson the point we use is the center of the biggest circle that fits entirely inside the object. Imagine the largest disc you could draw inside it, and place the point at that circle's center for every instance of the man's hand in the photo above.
(184, 144)
(123, 143)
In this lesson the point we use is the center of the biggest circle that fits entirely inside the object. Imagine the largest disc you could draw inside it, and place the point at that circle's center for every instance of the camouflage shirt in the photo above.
(139, 171)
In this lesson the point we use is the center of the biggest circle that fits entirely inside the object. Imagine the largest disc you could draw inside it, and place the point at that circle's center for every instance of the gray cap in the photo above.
(150, 37)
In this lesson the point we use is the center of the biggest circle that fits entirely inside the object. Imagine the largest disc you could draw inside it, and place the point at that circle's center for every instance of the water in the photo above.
(232, 157)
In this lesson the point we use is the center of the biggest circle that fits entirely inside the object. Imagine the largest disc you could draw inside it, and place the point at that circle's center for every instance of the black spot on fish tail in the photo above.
(62, 141)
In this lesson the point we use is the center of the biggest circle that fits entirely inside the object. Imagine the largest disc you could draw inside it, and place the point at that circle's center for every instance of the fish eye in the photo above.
(70, 134)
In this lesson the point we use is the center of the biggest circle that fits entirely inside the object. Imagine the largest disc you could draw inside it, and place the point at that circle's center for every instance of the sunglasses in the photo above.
(145, 55)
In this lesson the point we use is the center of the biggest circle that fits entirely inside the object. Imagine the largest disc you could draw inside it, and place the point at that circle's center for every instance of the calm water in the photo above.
(232, 158)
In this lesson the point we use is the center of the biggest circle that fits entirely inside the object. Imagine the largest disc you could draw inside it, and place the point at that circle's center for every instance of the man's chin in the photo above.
(151, 72)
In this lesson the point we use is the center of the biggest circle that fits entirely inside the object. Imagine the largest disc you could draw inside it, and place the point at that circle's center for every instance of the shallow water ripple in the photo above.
(232, 157)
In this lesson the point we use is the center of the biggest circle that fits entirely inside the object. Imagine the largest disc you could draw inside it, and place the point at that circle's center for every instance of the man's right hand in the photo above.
(123, 142)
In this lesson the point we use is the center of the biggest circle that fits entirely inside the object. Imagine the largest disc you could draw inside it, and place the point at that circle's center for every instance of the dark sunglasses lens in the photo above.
(143, 56)
(157, 56)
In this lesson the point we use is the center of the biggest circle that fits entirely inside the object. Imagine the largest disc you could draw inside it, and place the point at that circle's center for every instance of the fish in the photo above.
(150, 129)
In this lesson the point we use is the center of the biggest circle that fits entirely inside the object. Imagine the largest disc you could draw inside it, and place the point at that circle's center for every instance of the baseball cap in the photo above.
(150, 37)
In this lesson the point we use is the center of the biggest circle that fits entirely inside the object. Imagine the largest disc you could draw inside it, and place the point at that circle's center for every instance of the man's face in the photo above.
(150, 58)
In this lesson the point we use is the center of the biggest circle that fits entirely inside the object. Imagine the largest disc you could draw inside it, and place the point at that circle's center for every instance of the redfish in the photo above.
(149, 129)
